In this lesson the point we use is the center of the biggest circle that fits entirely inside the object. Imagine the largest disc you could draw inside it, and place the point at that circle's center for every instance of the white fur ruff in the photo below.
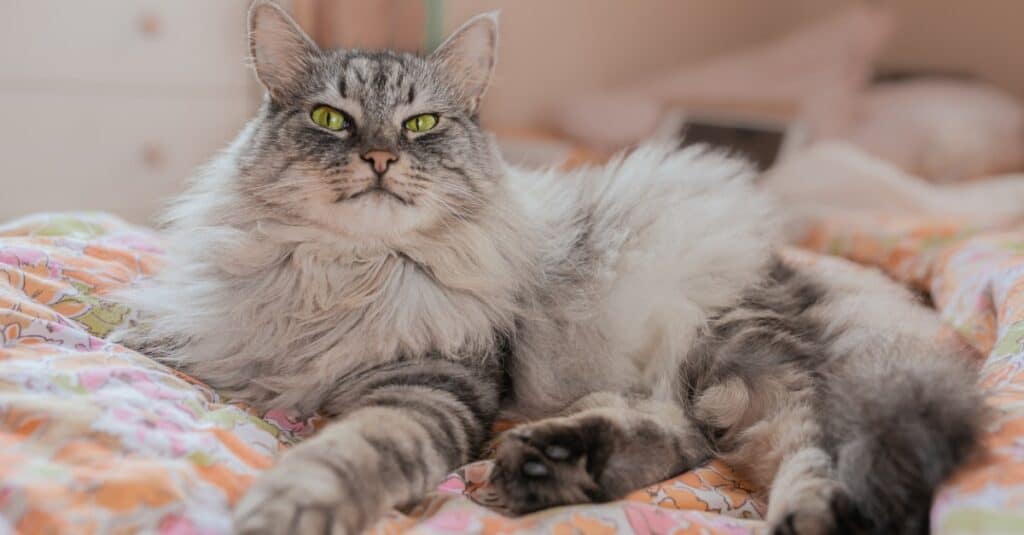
(600, 277)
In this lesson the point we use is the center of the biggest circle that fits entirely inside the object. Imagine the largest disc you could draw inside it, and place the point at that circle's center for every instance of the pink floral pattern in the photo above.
(96, 438)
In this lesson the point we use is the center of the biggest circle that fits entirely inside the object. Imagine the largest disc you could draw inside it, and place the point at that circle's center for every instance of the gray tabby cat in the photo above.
(361, 249)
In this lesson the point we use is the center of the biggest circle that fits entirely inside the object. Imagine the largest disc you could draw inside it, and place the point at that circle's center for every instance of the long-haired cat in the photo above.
(362, 250)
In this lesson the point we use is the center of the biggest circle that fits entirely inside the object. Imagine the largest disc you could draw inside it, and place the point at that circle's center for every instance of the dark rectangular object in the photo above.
(761, 143)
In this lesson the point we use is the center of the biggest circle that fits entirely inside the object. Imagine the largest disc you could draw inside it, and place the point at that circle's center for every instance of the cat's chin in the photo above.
(376, 193)
(371, 215)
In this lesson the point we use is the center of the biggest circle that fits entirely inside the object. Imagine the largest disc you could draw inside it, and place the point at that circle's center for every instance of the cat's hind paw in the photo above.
(830, 514)
(552, 462)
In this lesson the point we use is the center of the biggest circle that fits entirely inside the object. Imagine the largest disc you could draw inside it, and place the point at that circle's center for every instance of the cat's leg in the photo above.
(784, 453)
(890, 412)
(900, 407)
(807, 499)
(605, 447)
(411, 424)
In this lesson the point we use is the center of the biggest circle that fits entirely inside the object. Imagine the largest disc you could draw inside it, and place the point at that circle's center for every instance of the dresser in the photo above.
(112, 104)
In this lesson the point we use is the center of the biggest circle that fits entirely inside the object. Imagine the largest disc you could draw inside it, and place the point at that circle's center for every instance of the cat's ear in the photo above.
(470, 54)
(281, 52)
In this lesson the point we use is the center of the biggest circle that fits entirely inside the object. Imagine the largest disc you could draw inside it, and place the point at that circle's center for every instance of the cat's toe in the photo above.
(288, 517)
(283, 502)
(284, 513)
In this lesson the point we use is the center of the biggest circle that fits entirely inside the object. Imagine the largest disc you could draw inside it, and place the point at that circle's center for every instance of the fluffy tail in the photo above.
(901, 427)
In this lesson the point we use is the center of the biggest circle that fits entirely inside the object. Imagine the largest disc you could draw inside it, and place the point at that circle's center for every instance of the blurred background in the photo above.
(110, 104)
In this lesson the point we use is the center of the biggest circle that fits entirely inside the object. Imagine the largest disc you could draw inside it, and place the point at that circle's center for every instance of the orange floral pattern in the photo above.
(93, 437)
(976, 280)
(96, 438)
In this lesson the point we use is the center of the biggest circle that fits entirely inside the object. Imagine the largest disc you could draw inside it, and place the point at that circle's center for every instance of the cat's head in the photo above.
(370, 144)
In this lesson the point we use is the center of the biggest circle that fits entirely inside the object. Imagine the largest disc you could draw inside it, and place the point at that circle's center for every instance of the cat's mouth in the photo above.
(375, 191)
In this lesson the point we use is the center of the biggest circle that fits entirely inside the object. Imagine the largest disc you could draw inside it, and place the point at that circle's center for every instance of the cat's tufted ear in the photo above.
(470, 54)
(281, 52)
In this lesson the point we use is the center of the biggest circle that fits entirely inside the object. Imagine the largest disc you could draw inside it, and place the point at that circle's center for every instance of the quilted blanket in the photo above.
(97, 438)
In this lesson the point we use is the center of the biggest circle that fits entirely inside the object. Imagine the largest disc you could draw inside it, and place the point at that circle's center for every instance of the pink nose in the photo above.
(379, 160)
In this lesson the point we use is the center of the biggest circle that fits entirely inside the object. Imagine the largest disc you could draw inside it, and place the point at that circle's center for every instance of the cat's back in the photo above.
(641, 250)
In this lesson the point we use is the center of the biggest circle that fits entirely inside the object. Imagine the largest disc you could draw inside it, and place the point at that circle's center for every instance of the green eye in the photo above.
(328, 117)
(421, 123)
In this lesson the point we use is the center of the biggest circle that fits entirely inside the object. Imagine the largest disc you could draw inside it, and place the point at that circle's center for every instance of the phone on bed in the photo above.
(763, 142)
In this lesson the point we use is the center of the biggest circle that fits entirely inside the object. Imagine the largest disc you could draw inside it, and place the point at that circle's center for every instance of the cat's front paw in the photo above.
(300, 496)
(552, 462)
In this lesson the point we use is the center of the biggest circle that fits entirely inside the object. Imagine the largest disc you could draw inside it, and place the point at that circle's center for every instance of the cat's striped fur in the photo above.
(638, 307)
(831, 391)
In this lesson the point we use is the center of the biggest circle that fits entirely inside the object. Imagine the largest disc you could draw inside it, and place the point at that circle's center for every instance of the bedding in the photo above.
(97, 438)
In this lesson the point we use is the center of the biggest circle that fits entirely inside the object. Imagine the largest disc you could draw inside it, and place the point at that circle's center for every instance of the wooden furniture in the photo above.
(111, 104)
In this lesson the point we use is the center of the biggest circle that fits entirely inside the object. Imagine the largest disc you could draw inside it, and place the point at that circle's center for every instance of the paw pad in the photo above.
(536, 469)
(557, 452)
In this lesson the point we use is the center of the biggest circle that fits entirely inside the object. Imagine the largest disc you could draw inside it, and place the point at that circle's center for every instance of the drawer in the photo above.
(121, 154)
(197, 43)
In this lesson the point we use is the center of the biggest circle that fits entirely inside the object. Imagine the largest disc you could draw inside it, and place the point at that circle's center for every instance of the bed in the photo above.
(97, 438)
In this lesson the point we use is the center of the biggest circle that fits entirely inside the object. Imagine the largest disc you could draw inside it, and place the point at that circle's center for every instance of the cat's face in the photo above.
(370, 144)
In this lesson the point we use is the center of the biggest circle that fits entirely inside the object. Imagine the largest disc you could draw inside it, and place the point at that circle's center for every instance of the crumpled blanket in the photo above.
(97, 438)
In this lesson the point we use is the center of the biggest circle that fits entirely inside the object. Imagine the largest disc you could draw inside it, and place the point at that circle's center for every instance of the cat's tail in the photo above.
(901, 426)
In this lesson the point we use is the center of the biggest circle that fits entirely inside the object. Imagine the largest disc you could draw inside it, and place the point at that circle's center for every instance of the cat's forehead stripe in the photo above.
(378, 80)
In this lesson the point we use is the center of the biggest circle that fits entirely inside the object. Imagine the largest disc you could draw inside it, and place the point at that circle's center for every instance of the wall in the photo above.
(552, 50)
(982, 37)
(110, 105)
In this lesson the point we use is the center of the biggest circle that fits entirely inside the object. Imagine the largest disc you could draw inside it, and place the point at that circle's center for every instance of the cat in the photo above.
(362, 250)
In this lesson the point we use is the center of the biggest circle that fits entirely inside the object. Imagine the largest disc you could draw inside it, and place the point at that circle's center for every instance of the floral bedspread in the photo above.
(97, 438)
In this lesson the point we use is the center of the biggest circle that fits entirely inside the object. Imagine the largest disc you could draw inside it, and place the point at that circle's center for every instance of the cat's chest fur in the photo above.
(340, 314)
(392, 306)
